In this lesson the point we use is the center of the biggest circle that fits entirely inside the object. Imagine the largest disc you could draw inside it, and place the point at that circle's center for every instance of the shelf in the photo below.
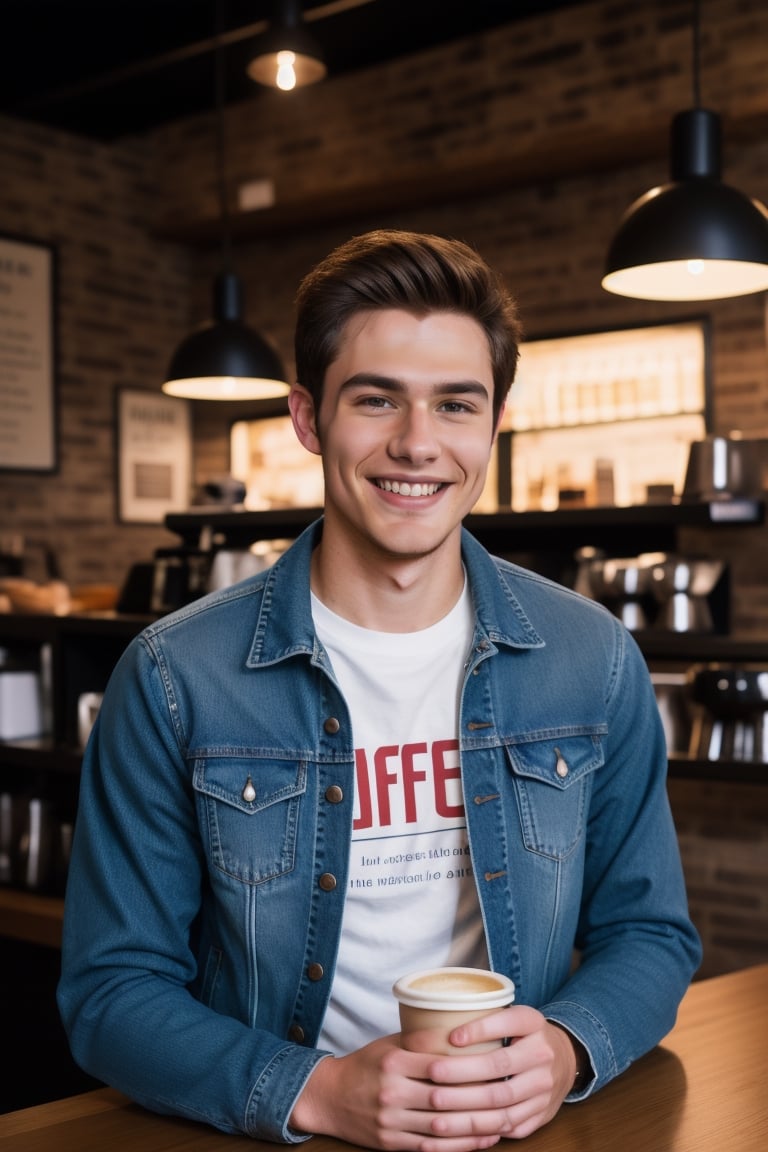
(684, 767)
(42, 626)
(701, 647)
(28, 916)
(620, 531)
(41, 755)
(239, 529)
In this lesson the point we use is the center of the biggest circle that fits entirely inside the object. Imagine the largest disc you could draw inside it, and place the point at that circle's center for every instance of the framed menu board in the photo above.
(28, 419)
(154, 455)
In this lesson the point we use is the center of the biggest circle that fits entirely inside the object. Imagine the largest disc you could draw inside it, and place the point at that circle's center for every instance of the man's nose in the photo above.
(415, 438)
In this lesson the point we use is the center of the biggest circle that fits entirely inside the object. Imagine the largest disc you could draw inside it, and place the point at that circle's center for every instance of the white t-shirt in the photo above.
(411, 900)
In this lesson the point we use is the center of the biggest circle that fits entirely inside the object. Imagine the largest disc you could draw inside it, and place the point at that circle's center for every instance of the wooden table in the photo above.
(704, 1089)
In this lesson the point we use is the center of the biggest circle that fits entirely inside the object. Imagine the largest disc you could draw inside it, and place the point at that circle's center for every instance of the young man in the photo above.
(388, 752)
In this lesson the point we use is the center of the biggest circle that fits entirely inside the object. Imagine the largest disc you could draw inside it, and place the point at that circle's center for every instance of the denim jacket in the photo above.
(210, 856)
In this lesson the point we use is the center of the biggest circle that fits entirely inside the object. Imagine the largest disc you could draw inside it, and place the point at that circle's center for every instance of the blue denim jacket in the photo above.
(210, 857)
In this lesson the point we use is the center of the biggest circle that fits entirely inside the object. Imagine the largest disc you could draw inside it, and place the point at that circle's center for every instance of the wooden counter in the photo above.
(702, 1090)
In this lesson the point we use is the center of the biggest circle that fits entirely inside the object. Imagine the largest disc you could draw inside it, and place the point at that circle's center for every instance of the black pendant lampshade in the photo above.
(225, 359)
(694, 238)
(287, 56)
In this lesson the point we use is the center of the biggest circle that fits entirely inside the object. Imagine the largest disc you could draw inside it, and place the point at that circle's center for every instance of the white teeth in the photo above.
(406, 489)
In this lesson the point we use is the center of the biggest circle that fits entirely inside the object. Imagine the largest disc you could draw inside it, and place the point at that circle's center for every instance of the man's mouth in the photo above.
(405, 488)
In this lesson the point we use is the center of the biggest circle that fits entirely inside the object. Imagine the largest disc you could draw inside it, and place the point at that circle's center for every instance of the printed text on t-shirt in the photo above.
(420, 776)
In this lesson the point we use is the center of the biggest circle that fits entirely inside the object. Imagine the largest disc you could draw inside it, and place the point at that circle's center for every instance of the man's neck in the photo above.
(388, 593)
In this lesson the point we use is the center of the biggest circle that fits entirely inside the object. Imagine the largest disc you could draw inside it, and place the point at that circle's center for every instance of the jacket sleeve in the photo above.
(133, 895)
(637, 948)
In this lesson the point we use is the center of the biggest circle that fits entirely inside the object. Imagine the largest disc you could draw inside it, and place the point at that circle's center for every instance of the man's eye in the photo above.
(375, 401)
(455, 406)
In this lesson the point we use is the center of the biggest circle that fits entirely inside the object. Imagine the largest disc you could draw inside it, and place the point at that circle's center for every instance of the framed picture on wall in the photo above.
(28, 417)
(154, 455)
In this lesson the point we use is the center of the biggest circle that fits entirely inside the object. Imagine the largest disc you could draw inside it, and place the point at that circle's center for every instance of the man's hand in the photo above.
(387, 1098)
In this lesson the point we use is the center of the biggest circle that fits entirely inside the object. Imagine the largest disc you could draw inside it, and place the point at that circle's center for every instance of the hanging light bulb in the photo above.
(225, 359)
(694, 238)
(286, 73)
(288, 56)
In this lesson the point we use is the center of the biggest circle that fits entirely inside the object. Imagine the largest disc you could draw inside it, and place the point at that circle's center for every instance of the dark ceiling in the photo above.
(111, 68)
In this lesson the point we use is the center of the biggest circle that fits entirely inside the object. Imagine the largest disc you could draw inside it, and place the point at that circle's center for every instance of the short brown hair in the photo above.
(410, 270)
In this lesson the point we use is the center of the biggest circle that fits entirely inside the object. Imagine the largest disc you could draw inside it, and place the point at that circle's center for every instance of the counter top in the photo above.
(701, 1090)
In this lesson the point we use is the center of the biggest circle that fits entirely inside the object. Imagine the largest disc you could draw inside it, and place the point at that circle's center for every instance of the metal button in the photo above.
(249, 792)
(331, 725)
(334, 794)
(296, 1033)
(315, 972)
(561, 767)
(327, 882)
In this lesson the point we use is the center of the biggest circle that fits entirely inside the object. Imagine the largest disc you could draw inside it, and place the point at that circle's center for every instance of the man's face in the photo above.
(405, 429)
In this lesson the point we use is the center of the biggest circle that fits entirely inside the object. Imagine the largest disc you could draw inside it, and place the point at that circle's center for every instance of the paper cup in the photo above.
(434, 1001)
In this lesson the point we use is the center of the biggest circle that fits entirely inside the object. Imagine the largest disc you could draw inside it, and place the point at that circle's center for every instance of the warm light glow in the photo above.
(225, 388)
(286, 74)
(688, 280)
(286, 69)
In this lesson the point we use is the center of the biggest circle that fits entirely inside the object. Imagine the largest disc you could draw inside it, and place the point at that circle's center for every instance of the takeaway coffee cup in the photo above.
(436, 1000)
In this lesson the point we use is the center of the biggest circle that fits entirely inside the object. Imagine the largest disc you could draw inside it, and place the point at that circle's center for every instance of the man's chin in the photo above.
(416, 542)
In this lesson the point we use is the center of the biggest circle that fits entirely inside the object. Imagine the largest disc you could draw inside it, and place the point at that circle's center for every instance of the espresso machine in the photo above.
(624, 585)
(662, 590)
(730, 713)
(690, 592)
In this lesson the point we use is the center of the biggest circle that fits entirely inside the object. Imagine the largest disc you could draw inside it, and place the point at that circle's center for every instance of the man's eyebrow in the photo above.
(395, 385)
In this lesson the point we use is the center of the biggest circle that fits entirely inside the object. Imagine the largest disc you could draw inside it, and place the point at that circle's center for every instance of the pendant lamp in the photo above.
(225, 359)
(288, 55)
(693, 238)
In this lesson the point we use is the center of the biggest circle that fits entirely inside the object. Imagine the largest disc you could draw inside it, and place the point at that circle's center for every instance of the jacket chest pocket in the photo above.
(552, 780)
(249, 814)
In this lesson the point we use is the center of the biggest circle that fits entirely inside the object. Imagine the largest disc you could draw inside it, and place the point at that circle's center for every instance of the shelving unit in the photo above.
(84, 648)
(618, 531)
(613, 411)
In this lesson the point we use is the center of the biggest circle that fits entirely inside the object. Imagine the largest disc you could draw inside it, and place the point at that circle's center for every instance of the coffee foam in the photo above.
(454, 989)
(462, 982)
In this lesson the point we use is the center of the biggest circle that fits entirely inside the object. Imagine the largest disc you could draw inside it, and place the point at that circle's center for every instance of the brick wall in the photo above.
(529, 144)
(723, 834)
(121, 302)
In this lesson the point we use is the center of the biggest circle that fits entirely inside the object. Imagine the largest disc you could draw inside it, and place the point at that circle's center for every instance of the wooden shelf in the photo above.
(28, 916)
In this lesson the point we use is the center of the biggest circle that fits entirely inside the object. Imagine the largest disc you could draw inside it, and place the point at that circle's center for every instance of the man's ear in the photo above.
(302, 409)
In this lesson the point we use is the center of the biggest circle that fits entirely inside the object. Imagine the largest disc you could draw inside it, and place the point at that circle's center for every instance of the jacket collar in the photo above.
(495, 585)
(284, 627)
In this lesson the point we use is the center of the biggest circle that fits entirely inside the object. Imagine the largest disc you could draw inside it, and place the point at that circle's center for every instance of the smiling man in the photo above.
(405, 427)
(390, 751)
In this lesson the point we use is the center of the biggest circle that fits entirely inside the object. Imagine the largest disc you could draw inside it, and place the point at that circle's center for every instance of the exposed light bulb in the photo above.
(286, 74)
(696, 267)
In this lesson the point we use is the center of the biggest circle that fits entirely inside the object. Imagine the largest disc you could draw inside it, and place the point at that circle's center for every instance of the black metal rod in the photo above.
(221, 151)
(696, 29)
